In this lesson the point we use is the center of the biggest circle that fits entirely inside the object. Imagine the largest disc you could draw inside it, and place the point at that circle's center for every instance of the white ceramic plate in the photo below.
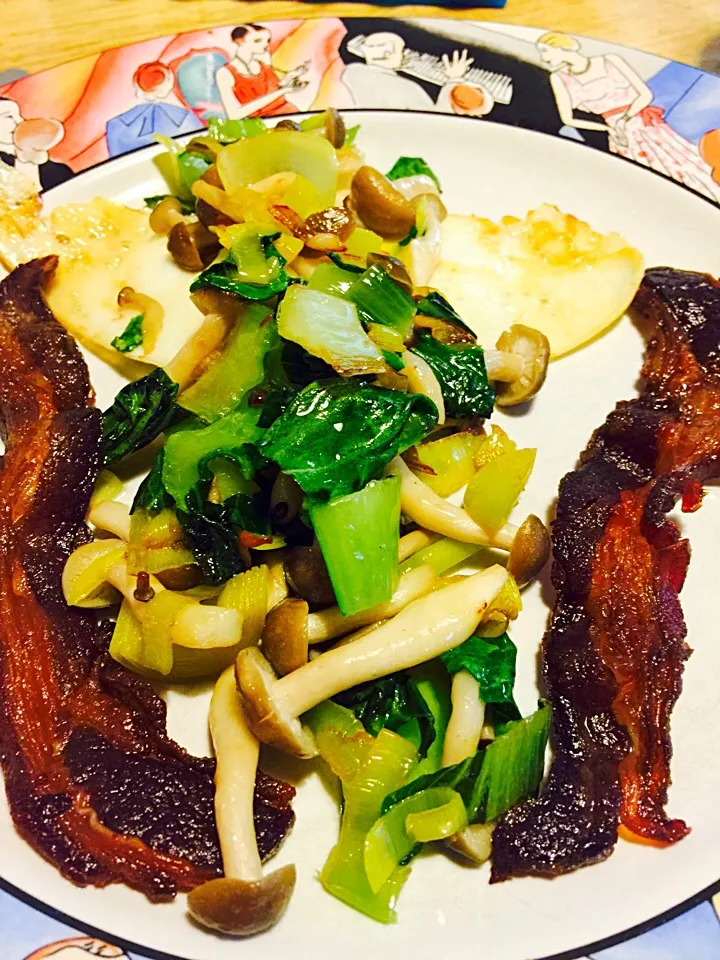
(446, 910)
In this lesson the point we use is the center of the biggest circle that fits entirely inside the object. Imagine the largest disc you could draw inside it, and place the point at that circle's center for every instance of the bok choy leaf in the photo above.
(358, 534)
(336, 435)
(462, 376)
(141, 411)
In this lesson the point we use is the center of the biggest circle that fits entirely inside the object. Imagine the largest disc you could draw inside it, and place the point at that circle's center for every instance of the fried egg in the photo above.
(549, 270)
(102, 248)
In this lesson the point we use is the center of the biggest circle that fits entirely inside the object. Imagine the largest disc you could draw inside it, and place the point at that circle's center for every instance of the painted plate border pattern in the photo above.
(642, 108)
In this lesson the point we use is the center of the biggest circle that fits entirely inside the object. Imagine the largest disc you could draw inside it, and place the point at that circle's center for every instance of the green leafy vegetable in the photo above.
(512, 767)
(336, 435)
(462, 376)
(393, 360)
(411, 167)
(191, 166)
(491, 660)
(188, 453)
(241, 367)
(411, 235)
(228, 131)
(212, 532)
(358, 535)
(226, 276)
(151, 494)
(381, 300)
(141, 411)
(329, 327)
(131, 337)
(393, 703)
(501, 774)
(435, 305)
(186, 207)
(350, 135)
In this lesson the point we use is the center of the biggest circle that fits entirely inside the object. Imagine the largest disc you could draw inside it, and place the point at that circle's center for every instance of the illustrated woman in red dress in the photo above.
(248, 85)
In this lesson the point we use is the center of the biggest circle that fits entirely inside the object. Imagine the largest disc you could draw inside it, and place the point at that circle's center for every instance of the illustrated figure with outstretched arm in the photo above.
(609, 88)
(378, 82)
(248, 84)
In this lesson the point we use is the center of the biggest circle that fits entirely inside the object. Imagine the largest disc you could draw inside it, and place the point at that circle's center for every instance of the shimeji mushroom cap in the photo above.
(534, 348)
(530, 550)
(243, 907)
(285, 635)
(266, 718)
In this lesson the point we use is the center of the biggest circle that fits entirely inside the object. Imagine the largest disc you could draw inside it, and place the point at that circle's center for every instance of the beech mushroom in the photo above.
(421, 379)
(381, 207)
(412, 542)
(528, 545)
(192, 246)
(308, 576)
(473, 842)
(285, 635)
(243, 901)
(423, 630)
(330, 623)
(464, 728)
(530, 550)
(518, 365)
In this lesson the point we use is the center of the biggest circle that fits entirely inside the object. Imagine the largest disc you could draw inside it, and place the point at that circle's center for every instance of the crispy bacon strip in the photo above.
(613, 656)
(94, 783)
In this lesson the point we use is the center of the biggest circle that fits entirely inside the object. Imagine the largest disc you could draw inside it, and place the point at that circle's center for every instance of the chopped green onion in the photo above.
(441, 555)
(131, 337)
(439, 823)
(358, 536)
(496, 487)
(385, 767)
(388, 844)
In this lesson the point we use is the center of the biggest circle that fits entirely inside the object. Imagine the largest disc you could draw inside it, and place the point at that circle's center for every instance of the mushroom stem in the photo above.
(237, 752)
(330, 623)
(242, 902)
(422, 631)
(412, 542)
(466, 720)
(503, 365)
(430, 510)
(421, 379)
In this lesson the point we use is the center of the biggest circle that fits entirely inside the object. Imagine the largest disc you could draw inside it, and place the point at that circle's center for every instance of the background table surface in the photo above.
(43, 33)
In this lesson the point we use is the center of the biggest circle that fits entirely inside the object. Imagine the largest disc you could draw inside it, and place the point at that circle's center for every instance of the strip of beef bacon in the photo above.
(614, 654)
(93, 781)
